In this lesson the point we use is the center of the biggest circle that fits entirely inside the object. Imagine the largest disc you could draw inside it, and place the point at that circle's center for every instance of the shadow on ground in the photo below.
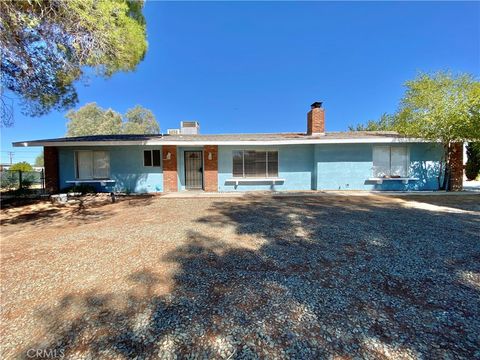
(79, 210)
(319, 277)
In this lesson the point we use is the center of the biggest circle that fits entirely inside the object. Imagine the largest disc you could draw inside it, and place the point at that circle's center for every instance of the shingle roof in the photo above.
(217, 137)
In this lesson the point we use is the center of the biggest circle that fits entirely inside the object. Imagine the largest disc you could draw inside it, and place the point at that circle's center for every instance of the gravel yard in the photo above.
(242, 278)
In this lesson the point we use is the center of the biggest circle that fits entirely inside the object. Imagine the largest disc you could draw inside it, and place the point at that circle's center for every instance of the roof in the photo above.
(223, 139)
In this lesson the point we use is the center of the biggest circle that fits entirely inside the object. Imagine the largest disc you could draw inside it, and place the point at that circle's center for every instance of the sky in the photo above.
(240, 67)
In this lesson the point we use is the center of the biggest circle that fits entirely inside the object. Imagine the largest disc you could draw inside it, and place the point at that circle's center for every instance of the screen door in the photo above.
(193, 170)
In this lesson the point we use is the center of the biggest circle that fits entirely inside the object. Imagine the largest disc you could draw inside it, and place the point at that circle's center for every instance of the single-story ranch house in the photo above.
(186, 160)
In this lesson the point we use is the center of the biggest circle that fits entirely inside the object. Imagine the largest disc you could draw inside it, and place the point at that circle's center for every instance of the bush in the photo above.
(472, 169)
(22, 166)
(9, 180)
(83, 189)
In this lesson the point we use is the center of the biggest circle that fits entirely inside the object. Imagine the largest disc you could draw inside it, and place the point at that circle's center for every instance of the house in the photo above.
(186, 160)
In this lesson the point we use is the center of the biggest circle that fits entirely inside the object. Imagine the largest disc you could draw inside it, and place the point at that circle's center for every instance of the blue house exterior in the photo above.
(315, 160)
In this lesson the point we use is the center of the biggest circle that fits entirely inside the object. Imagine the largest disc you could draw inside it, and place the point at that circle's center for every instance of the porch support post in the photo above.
(170, 178)
(456, 167)
(210, 168)
(50, 156)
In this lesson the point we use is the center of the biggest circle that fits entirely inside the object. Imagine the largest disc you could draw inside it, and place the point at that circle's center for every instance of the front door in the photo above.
(193, 170)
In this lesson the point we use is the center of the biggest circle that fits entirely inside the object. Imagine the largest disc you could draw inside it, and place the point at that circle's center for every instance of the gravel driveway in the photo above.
(242, 278)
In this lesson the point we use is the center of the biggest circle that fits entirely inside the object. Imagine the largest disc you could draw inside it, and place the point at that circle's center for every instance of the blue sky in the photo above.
(257, 66)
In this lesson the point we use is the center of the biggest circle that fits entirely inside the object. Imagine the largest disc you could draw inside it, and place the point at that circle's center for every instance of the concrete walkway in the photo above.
(203, 194)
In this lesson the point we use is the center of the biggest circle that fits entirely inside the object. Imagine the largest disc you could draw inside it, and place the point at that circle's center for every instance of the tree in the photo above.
(140, 121)
(442, 107)
(47, 45)
(91, 119)
(22, 166)
(385, 123)
(472, 168)
(39, 160)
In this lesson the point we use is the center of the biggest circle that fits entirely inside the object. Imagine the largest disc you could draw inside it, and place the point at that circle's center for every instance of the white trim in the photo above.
(369, 140)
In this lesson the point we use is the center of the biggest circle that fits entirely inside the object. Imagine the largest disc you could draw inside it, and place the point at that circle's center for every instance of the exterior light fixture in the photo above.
(210, 156)
(169, 156)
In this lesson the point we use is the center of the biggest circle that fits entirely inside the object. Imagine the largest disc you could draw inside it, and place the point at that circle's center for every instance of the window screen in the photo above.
(390, 161)
(238, 163)
(398, 161)
(381, 161)
(272, 162)
(147, 158)
(84, 165)
(156, 157)
(101, 165)
(255, 164)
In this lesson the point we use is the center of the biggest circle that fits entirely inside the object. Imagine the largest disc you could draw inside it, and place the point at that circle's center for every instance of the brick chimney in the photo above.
(316, 119)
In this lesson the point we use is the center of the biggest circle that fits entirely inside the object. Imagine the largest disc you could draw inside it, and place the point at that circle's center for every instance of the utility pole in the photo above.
(10, 154)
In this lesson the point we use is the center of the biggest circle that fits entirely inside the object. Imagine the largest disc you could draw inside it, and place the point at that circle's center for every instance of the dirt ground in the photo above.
(252, 277)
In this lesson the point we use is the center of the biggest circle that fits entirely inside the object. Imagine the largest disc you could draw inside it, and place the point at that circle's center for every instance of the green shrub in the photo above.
(472, 168)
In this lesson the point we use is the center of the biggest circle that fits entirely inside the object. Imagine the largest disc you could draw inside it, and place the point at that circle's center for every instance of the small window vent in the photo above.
(173, 131)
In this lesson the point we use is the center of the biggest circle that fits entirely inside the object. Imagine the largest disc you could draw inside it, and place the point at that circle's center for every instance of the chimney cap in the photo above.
(316, 105)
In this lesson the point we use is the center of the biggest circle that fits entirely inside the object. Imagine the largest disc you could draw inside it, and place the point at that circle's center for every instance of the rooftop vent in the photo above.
(173, 131)
(189, 127)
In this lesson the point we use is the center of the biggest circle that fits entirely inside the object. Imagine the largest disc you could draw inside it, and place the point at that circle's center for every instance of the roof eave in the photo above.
(154, 142)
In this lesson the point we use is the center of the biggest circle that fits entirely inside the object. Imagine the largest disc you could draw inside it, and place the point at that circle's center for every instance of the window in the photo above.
(255, 164)
(92, 165)
(390, 161)
(151, 158)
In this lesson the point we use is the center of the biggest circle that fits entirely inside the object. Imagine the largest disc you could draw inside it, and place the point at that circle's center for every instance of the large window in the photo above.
(390, 161)
(255, 164)
(151, 158)
(92, 165)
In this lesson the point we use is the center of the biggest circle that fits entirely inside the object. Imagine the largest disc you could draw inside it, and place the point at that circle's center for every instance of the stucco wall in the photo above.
(304, 167)
(126, 168)
(349, 166)
(295, 165)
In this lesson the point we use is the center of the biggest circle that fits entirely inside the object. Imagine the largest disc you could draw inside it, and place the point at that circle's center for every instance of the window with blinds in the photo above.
(92, 165)
(390, 161)
(255, 164)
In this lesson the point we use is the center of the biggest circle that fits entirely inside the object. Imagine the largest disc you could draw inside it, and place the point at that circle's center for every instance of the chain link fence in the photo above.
(17, 183)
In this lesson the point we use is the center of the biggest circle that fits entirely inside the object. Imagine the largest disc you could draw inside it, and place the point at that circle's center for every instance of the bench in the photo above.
(404, 180)
(237, 181)
(102, 182)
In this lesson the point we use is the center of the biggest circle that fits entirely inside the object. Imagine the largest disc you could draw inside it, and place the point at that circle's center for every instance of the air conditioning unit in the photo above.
(173, 131)
(189, 127)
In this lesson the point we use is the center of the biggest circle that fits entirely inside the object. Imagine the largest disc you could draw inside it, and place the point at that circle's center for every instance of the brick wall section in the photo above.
(210, 172)
(50, 155)
(456, 167)
(316, 121)
(170, 178)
